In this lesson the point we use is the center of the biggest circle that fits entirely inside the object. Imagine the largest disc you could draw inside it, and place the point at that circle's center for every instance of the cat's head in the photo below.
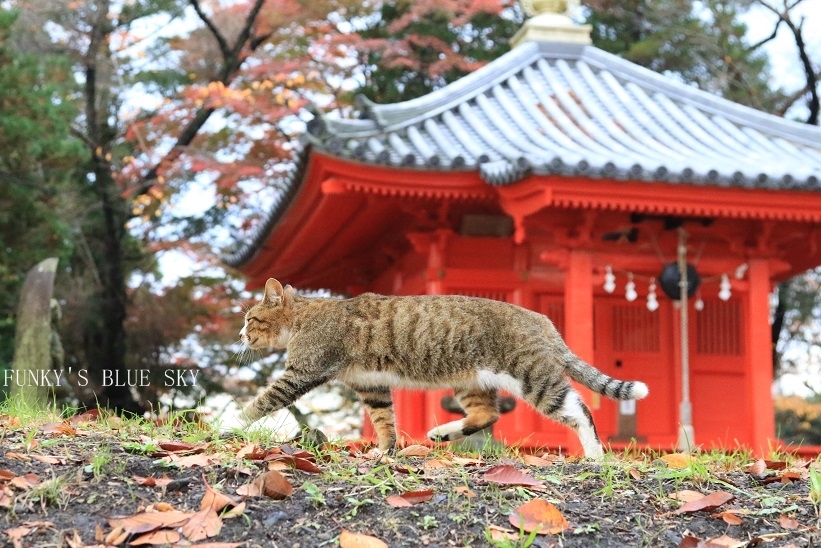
(268, 323)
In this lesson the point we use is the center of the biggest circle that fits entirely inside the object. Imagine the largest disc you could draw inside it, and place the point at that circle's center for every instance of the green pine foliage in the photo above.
(703, 43)
(37, 155)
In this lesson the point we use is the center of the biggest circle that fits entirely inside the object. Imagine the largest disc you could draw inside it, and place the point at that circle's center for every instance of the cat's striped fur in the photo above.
(475, 346)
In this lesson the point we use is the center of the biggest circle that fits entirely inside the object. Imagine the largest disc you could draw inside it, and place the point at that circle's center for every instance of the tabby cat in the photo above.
(474, 346)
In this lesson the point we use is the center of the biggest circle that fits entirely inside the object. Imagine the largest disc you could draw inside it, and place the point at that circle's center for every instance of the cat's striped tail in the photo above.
(595, 380)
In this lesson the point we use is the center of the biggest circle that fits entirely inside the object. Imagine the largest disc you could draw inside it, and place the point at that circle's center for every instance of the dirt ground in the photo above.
(74, 484)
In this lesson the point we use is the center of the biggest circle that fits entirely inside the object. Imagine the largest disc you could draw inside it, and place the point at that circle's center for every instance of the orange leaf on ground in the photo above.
(252, 452)
(708, 503)
(16, 535)
(89, 416)
(25, 482)
(677, 460)
(45, 459)
(6, 475)
(509, 475)
(17, 456)
(347, 539)
(59, 429)
(414, 451)
(273, 484)
(686, 495)
(757, 468)
(181, 447)
(540, 516)
(465, 490)
(152, 481)
(787, 522)
(204, 524)
(189, 461)
(502, 534)
(729, 518)
(149, 521)
(234, 512)
(437, 463)
(6, 498)
(533, 460)
(162, 537)
(410, 498)
(215, 499)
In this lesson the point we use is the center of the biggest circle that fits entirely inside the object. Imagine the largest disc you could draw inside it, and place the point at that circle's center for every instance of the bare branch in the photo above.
(223, 44)
(767, 39)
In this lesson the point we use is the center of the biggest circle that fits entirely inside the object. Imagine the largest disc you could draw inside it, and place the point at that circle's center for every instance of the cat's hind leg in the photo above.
(559, 401)
(481, 410)
(379, 405)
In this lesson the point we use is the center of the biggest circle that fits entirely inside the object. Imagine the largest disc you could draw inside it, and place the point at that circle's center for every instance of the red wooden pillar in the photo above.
(578, 319)
(759, 372)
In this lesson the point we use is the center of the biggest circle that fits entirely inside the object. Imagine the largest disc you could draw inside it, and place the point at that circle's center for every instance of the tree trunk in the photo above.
(32, 357)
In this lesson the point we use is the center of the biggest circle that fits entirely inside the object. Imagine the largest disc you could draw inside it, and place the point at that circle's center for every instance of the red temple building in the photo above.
(561, 178)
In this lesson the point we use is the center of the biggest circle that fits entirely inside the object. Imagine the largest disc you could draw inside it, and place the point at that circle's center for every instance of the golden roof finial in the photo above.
(550, 22)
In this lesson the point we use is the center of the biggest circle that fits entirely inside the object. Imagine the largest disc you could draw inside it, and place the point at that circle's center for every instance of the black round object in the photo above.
(670, 278)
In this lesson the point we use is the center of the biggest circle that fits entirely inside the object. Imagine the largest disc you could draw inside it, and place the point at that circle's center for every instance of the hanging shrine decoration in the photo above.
(671, 276)
(669, 281)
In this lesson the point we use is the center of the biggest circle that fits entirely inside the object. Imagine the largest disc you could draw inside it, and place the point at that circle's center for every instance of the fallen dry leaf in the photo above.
(252, 451)
(533, 460)
(215, 499)
(203, 524)
(270, 484)
(465, 490)
(181, 447)
(786, 522)
(501, 534)
(676, 460)
(17, 456)
(163, 507)
(6, 475)
(414, 451)
(725, 541)
(757, 468)
(16, 535)
(347, 539)
(6, 498)
(162, 537)
(509, 475)
(59, 429)
(707, 503)
(149, 521)
(234, 512)
(437, 463)
(410, 498)
(686, 495)
(89, 416)
(46, 459)
(152, 481)
(25, 482)
(189, 461)
(729, 518)
(540, 516)
(466, 461)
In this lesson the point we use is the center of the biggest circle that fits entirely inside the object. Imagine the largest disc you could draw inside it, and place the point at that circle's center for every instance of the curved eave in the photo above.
(550, 109)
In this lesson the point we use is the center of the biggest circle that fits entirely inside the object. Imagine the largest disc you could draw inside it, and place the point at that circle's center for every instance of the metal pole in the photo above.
(686, 436)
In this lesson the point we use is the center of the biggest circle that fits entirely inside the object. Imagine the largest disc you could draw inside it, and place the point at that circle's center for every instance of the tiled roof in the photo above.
(563, 109)
(567, 110)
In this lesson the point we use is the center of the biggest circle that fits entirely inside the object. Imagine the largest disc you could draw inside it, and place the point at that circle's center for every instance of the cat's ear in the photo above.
(273, 290)
(288, 295)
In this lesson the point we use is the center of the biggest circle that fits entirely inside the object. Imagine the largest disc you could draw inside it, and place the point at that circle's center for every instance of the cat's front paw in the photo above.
(447, 432)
